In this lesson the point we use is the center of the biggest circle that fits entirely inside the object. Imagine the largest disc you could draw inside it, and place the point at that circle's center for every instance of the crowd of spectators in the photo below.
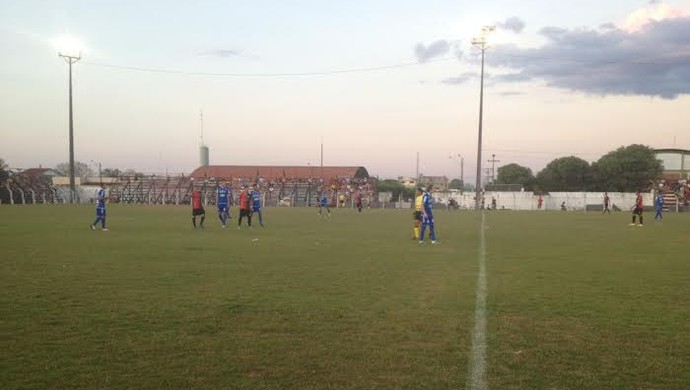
(680, 188)
(28, 189)
(336, 188)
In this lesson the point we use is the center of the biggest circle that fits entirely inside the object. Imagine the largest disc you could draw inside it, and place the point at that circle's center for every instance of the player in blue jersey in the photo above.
(427, 215)
(659, 204)
(323, 204)
(255, 195)
(223, 201)
(100, 209)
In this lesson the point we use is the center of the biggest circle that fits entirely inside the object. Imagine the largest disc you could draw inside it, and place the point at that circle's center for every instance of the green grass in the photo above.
(580, 300)
(575, 301)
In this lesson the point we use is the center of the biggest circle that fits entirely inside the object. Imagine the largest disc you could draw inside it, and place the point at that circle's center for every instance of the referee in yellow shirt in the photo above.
(417, 215)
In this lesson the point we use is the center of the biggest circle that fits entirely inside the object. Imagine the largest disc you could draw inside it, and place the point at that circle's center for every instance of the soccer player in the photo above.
(417, 214)
(358, 201)
(637, 209)
(100, 209)
(427, 215)
(197, 208)
(245, 209)
(223, 201)
(540, 202)
(607, 201)
(323, 204)
(659, 204)
(341, 200)
(255, 195)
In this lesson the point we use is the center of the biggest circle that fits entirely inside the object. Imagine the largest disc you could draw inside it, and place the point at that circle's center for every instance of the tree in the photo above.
(132, 173)
(565, 174)
(3, 170)
(626, 169)
(111, 172)
(455, 184)
(515, 174)
(81, 169)
(395, 187)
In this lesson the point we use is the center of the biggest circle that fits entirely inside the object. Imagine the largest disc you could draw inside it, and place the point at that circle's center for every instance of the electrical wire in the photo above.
(295, 74)
(358, 70)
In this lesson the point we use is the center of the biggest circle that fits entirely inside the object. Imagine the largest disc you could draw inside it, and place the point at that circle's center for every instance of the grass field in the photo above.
(574, 301)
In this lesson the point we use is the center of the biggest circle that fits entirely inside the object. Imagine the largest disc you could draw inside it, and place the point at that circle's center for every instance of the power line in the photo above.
(578, 60)
(295, 74)
(527, 152)
(356, 70)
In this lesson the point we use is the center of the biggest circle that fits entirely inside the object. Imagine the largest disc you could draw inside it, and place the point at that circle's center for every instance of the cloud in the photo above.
(653, 60)
(656, 11)
(222, 53)
(510, 78)
(460, 79)
(435, 49)
(608, 26)
(513, 24)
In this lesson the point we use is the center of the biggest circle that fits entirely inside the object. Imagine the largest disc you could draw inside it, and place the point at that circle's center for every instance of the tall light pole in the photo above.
(481, 43)
(493, 162)
(100, 178)
(322, 179)
(462, 170)
(71, 56)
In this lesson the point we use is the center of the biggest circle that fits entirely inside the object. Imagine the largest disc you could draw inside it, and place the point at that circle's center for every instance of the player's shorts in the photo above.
(244, 212)
(428, 220)
(417, 215)
(223, 208)
(196, 212)
(256, 209)
(638, 210)
(100, 212)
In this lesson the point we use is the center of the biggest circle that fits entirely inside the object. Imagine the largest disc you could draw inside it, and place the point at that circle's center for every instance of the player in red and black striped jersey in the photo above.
(245, 207)
(607, 202)
(197, 209)
(637, 210)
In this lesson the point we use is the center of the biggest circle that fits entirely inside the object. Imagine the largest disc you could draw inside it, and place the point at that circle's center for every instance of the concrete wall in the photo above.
(528, 201)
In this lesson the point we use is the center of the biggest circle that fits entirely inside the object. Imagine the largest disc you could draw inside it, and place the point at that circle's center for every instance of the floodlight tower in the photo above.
(70, 51)
(481, 43)
(462, 169)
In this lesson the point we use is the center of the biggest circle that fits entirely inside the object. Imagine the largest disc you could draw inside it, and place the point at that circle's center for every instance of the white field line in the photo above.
(477, 380)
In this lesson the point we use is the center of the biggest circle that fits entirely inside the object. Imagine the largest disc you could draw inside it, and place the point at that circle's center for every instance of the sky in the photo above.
(377, 82)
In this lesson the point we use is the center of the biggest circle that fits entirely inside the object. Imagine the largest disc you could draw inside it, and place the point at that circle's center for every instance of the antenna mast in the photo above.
(201, 125)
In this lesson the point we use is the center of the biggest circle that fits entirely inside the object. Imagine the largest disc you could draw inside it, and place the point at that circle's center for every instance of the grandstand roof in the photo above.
(34, 172)
(672, 150)
(277, 172)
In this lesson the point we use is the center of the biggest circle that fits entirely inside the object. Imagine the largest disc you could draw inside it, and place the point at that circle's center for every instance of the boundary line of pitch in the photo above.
(477, 374)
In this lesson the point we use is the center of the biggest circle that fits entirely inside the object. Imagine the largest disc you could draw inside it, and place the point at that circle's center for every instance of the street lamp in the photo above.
(481, 43)
(100, 178)
(462, 170)
(69, 49)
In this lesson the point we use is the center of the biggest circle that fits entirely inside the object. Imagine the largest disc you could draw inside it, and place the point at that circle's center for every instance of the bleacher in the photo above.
(22, 188)
(177, 190)
(676, 194)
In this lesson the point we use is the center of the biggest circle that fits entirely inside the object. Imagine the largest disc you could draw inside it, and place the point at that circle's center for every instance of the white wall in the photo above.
(528, 201)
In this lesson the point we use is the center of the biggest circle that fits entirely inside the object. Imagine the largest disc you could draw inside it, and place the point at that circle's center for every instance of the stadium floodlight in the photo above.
(100, 177)
(462, 169)
(481, 43)
(70, 49)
